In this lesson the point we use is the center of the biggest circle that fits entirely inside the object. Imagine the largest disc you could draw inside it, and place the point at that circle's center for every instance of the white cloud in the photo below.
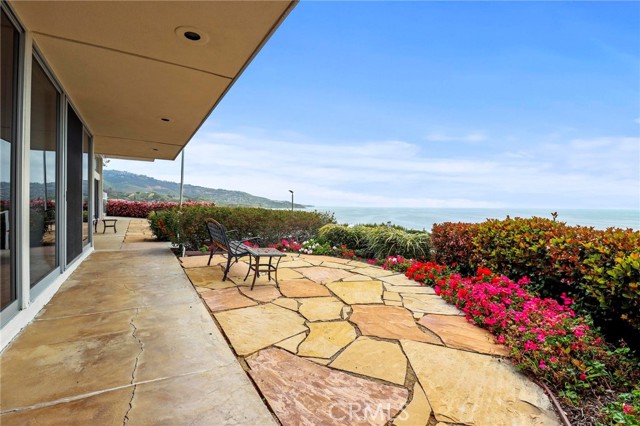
(445, 137)
(578, 173)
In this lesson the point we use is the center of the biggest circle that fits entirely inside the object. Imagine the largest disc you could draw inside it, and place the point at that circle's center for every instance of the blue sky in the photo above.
(432, 104)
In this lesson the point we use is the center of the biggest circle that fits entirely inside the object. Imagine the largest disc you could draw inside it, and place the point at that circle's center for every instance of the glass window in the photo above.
(86, 174)
(8, 104)
(43, 156)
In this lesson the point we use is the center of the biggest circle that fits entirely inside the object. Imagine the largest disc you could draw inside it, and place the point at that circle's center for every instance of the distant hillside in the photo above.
(125, 185)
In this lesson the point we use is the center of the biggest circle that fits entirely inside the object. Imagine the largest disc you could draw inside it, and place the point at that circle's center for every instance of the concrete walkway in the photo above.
(126, 340)
(341, 342)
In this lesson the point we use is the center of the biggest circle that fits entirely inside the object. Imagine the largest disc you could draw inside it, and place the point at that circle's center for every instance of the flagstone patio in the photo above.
(343, 342)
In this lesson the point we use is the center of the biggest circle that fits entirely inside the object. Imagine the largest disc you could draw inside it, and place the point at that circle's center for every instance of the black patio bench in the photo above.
(236, 249)
(220, 242)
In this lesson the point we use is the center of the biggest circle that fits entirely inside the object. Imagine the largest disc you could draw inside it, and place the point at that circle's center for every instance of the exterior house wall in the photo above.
(32, 298)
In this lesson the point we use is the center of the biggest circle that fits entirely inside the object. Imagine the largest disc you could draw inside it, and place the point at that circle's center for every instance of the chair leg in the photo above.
(210, 257)
(226, 271)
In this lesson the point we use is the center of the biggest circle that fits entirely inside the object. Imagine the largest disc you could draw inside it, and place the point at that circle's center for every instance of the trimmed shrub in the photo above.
(600, 269)
(520, 247)
(453, 245)
(125, 208)
(610, 272)
(354, 237)
(186, 226)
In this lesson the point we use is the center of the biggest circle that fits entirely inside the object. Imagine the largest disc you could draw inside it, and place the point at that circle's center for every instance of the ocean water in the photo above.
(424, 218)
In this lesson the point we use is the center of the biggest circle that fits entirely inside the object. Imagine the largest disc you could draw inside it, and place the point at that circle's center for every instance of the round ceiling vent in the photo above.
(192, 35)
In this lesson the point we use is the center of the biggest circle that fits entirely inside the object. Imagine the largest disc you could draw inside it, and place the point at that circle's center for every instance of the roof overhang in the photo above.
(128, 67)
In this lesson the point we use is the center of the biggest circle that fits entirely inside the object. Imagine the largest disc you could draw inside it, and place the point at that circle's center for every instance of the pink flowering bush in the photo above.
(285, 245)
(396, 263)
(546, 337)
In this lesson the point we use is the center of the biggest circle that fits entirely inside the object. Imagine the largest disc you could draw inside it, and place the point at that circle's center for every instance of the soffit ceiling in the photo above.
(125, 67)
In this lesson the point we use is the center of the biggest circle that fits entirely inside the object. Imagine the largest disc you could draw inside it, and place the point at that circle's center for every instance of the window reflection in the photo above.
(8, 90)
(42, 183)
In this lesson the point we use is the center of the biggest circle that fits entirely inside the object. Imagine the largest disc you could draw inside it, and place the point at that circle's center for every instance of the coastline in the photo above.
(424, 218)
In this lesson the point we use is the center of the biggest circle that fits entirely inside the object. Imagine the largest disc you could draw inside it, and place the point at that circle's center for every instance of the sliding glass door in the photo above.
(43, 158)
(9, 59)
(75, 134)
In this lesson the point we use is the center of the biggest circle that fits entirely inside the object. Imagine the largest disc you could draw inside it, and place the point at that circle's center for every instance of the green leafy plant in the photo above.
(387, 241)
(600, 269)
(354, 237)
(625, 411)
(186, 226)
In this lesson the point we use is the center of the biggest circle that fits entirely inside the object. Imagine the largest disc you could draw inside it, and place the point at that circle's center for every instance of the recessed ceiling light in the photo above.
(155, 149)
(192, 35)
(165, 119)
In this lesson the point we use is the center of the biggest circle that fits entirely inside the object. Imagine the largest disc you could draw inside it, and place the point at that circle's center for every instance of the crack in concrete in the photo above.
(125, 421)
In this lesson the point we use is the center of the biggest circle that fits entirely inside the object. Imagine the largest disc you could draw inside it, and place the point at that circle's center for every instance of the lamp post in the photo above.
(291, 199)
(181, 177)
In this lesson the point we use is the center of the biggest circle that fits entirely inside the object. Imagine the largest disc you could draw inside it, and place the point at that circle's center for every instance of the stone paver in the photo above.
(372, 272)
(336, 265)
(291, 344)
(480, 390)
(205, 276)
(409, 289)
(358, 292)
(302, 288)
(357, 277)
(324, 275)
(417, 412)
(238, 271)
(374, 358)
(428, 304)
(399, 280)
(261, 294)
(294, 264)
(228, 298)
(318, 260)
(457, 332)
(320, 308)
(389, 322)
(285, 302)
(199, 261)
(320, 361)
(346, 312)
(389, 295)
(301, 392)
(288, 274)
(256, 327)
(325, 339)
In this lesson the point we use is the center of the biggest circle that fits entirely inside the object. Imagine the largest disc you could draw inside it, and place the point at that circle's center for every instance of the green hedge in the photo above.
(378, 241)
(186, 226)
(599, 268)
